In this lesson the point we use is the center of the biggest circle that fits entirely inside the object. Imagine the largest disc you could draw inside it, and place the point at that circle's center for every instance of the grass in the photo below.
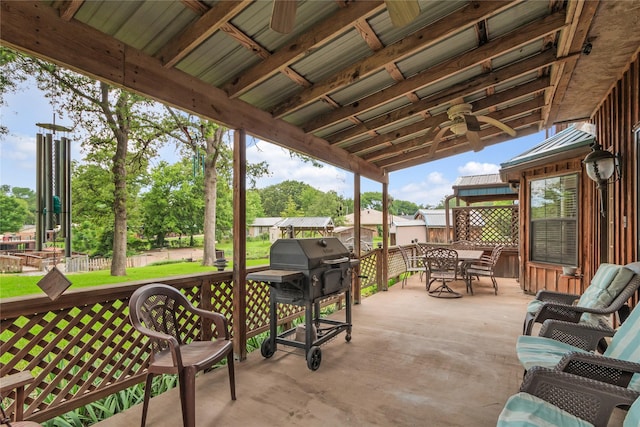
(13, 285)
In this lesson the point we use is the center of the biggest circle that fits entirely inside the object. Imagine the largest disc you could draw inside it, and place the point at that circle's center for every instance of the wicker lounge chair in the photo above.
(610, 289)
(162, 313)
(553, 398)
(569, 347)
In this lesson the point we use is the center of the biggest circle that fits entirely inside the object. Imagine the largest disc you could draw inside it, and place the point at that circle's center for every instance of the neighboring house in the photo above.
(435, 223)
(345, 234)
(262, 226)
(408, 230)
(369, 218)
(555, 225)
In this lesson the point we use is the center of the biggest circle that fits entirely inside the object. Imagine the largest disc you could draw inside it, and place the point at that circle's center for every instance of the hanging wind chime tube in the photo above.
(53, 186)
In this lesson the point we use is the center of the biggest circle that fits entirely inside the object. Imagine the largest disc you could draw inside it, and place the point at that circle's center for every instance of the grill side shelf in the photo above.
(276, 276)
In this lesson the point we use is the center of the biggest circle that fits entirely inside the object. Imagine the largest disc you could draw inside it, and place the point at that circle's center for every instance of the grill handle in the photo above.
(336, 261)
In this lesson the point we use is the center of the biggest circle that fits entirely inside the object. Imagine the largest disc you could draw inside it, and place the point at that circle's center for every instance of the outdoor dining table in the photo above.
(466, 257)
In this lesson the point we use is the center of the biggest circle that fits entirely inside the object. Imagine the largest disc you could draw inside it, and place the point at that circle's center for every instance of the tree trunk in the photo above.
(119, 261)
(210, 189)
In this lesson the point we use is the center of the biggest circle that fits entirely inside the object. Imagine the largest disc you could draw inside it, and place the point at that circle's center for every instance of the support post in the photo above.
(357, 249)
(385, 234)
(239, 244)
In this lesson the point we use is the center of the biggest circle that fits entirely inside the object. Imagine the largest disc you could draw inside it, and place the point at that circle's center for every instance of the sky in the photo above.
(423, 185)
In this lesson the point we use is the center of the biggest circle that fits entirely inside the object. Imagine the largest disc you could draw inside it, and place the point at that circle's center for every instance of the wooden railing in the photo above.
(81, 347)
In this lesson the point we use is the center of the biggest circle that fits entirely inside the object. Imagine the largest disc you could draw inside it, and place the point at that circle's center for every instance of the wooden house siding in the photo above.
(615, 119)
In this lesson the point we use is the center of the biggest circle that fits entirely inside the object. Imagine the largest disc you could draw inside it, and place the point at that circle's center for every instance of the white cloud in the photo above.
(428, 192)
(283, 167)
(476, 168)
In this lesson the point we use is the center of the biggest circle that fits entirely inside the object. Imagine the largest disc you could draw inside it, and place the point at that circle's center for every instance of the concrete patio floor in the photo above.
(413, 360)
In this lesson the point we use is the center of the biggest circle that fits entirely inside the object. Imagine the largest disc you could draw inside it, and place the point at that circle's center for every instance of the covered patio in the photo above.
(413, 360)
(350, 88)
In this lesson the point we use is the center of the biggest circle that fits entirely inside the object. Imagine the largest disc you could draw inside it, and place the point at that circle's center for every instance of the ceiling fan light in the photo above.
(459, 129)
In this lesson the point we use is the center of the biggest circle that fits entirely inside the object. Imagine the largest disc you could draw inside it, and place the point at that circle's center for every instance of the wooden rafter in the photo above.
(111, 61)
(460, 90)
(443, 70)
(429, 36)
(296, 49)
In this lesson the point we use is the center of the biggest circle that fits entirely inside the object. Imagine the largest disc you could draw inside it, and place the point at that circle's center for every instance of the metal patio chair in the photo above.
(414, 263)
(164, 314)
(485, 267)
(442, 265)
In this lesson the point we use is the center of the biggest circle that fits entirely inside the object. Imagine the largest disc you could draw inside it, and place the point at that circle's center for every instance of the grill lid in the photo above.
(307, 254)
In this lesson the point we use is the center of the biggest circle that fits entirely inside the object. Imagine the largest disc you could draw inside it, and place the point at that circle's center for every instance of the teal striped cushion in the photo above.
(633, 416)
(604, 295)
(541, 351)
(600, 282)
(526, 410)
(625, 344)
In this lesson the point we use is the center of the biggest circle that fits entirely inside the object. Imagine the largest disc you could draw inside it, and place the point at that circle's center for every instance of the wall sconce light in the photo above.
(601, 166)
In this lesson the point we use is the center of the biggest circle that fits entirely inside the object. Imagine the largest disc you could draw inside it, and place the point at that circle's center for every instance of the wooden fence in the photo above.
(82, 347)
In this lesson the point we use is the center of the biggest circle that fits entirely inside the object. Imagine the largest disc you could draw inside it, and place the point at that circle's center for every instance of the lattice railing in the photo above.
(487, 225)
(82, 347)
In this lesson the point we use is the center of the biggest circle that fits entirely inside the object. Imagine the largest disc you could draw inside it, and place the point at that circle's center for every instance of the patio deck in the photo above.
(413, 360)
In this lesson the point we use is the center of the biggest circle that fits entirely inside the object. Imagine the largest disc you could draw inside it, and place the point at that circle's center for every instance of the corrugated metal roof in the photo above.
(410, 223)
(563, 141)
(307, 222)
(266, 221)
(475, 180)
(435, 217)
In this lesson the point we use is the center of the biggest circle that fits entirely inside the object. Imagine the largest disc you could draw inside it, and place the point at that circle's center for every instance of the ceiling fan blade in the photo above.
(402, 12)
(472, 122)
(283, 16)
(474, 140)
(436, 140)
(497, 124)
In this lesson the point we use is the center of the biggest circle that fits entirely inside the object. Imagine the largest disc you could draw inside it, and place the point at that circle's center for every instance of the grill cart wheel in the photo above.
(266, 349)
(347, 337)
(314, 357)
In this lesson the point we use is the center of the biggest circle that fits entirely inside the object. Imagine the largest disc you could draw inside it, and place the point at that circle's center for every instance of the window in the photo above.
(554, 220)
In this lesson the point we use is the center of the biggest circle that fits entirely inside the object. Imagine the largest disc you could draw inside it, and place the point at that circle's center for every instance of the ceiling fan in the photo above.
(283, 14)
(466, 124)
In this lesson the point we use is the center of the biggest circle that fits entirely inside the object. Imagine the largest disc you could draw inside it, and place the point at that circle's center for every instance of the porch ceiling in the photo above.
(345, 86)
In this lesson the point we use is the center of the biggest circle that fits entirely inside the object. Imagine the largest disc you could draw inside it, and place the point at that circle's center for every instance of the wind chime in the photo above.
(53, 186)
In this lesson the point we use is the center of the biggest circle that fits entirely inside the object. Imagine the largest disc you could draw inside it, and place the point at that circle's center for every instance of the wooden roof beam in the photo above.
(428, 36)
(575, 39)
(201, 30)
(526, 126)
(36, 28)
(489, 102)
(504, 74)
(501, 115)
(494, 48)
(296, 49)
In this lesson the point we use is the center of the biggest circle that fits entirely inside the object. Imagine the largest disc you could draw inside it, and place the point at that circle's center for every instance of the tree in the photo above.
(125, 126)
(276, 197)
(403, 207)
(291, 210)
(371, 200)
(206, 140)
(14, 212)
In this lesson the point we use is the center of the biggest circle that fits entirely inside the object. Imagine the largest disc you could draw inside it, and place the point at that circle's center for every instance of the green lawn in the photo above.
(12, 285)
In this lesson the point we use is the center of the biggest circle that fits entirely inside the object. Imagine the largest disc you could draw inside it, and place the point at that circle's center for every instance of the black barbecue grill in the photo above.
(303, 272)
